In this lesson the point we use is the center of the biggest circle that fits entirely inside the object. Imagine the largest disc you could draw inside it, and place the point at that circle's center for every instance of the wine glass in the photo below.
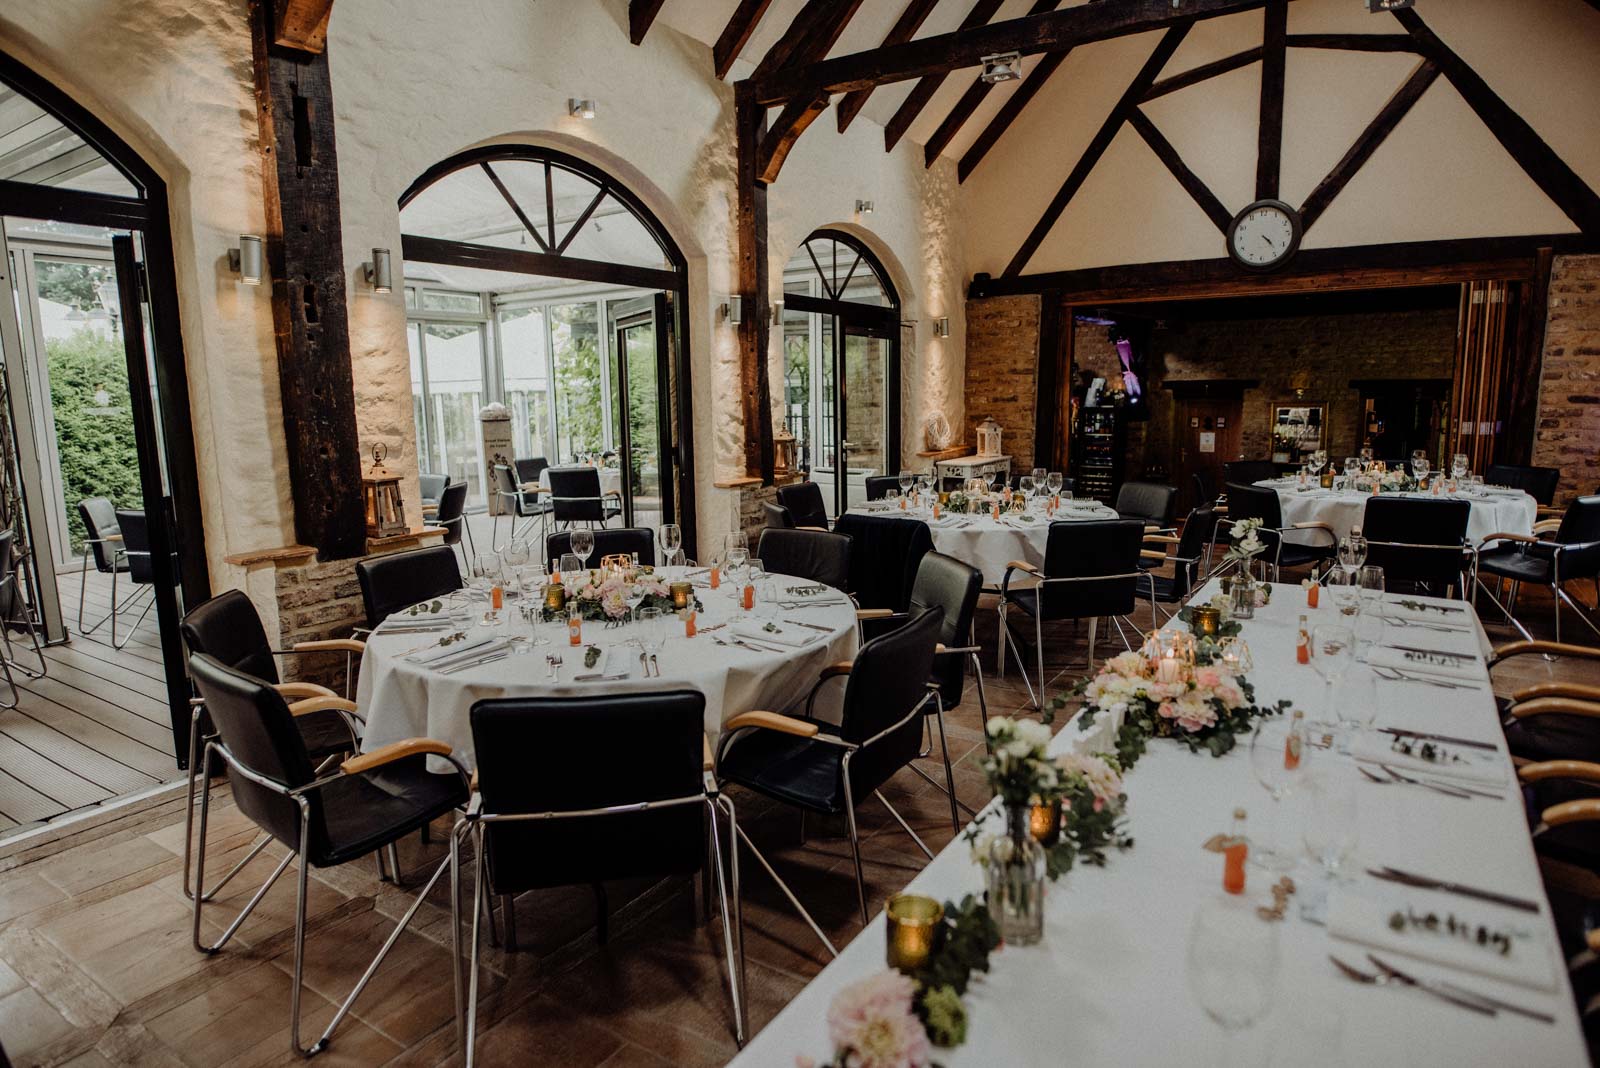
(650, 630)
(907, 479)
(1025, 485)
(1279, 768)
(485, 576)
(1332, 650)
(1331, 830)
(1315, 461)
(1039, 476)
(1352, 551)
(1366, 455)
(1369, 624)
(1231, 964)
(1053, 483)
(1459, 466)
(1419, 469)
(571, 571)
(583, 546)
(1343, 590)
(671, 536)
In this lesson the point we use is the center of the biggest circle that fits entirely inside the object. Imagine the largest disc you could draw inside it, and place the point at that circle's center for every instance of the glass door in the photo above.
(864, 402)
(447, 392)
(638, 416)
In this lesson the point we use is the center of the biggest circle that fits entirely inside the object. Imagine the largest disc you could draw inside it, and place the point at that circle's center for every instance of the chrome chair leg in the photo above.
(904, 826)
(855, 838)
(949, 775)
(472, 971)
(732, 947)
(200, 869)
(1038, 651)
(1562, 595)
(783, 886)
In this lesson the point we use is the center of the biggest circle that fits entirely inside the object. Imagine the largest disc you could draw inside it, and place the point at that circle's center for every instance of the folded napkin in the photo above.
(792, 637)
(944, 521)
(614, 664)
(445, 655)
(1426, 610)
(1364, 915)
(1425, 659)
(410, 625)
(1459, 762)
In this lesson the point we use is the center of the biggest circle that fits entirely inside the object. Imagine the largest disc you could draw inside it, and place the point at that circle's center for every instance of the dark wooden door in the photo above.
(1208, 436)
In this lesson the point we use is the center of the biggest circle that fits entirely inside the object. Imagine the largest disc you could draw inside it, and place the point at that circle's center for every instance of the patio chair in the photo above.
(1572, 553)
(135, 532)
(399, 580)
(1188, 559)
(575, 497)
(523, 504)
(530, 469)
(103, 543)
(430, 488)
(8, 582)
(452, 516)
(325, 819)
(14, 597)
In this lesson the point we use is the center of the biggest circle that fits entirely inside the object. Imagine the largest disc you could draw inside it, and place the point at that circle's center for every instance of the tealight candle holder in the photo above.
(1044, 822)
(681, 592)
(1207, 620)
(555, 597)
(912, 927)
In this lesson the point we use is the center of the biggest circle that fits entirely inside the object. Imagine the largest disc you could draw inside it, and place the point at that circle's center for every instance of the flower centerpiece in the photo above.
(959, 503)
(1245, 545)
(1021, 773)
(606, 594)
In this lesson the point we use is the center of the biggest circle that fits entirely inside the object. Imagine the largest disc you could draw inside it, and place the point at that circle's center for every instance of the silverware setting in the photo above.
(1395, 780)
(1435, 784)
(1396, 621)
(1396, 675)
(655, 665)
(553, 662)
(1460, 991)
(741, 643)
(1447, 738)
(1424, 882)
(1383, 979)
(498, 654)
(810, 626)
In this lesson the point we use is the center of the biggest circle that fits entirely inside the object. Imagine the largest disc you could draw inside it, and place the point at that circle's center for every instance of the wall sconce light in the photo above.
(580, 108)
(777, 312)
(380, 271)
(941, 326)
(249, 260)
(733, 310)
(1002, 67)
(863, 207)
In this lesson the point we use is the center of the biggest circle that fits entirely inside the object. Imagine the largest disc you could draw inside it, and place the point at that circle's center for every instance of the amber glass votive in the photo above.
(555, 597)
(681, 591)
(1207, 620)
(1044, 822)
(912, 925)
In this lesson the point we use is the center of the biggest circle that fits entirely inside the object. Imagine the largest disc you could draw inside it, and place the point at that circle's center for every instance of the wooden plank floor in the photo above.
(96, 726)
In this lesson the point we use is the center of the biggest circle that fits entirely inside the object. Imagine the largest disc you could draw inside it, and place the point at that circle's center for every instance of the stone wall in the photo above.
(1003, 371)
(1568, 434)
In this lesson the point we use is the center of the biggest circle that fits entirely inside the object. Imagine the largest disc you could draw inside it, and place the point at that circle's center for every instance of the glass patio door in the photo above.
(447, 393)
(863, 403)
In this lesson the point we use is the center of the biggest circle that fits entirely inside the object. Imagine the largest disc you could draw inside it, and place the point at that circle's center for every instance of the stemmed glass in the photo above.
(571, 571)
(671, 536)
(1332, 650)
(1025, 486)
(1352, 551)
(485, 573)
(1039, 476)
(516, 555)
(1331, 829)
(1343, 590)
(1280, 770)
(1419, 470)
(907, 479)
(1053, 483)
(583, 546)
(1366, 455)
(1458, 466)
(1369, 624)
(650, 630)
(1231, 964)
(1315, 461)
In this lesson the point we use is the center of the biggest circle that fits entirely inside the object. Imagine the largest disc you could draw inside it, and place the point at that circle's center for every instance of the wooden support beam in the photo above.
(524, 261)
(1102, 140)
(641, 14)
(1055, 31)
(1559, 182)
(736, 34)
(301, 24)
(1353, 42)
(750, 225)
(1220, 216)
(905, 27)
(969, 102)
(786, 130)
(305, 253)
(1269, 132)
(1008, 113)
(1204, 72)
(809, 37)
(1367, 142)
(923, 91)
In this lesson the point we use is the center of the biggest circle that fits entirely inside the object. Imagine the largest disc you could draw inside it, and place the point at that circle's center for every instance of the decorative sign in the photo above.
(1208, 441)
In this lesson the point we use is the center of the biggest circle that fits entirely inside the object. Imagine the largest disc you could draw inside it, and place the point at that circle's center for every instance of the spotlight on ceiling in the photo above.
(1378, 6)
(1002, 67)
(579, 108)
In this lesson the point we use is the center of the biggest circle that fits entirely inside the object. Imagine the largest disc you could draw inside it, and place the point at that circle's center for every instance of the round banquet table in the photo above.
(989, 544)
(1495, 511)
(610, 481)
(402, 699)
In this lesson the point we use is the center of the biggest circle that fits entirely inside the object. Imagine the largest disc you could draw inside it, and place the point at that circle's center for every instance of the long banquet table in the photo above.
(1108, 985)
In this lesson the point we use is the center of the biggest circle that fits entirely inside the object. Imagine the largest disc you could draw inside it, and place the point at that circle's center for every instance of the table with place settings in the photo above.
(413, 686)
(1495, 510)
(989, 544)
(1109, 984)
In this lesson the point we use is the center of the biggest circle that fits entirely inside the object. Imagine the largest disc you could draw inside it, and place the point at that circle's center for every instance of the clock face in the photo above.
(1264, 235)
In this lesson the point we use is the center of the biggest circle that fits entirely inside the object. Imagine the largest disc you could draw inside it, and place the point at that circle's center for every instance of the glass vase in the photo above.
(1017, 880)
(1243, 594)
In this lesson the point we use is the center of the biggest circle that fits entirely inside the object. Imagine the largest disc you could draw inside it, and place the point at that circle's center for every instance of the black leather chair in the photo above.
(1090, 570)
(1205, 493)
(518, 503)
(878, 486)
(1260, 502)
(1151, 502)
(778, 517)
(815, 555)
(607, 542)
(1188, 559)
(1419, 543)
(529, 469)
(228, 629)
(1538, 482)
(102, 543)
(452, 516)
(885, 552)
(325, 819)
(651, 815)
(399, 580)
(1573, 553)
(822, 768)
(135, 530)
(804, 501)
(575, 497)
(1248, 472)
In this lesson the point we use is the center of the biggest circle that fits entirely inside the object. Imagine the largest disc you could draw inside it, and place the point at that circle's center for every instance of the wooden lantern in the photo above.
(380, 488)
(785, 460)
(989, 438)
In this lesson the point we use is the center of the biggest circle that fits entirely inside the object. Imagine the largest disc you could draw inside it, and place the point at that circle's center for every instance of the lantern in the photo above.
(386, 514)
(989, 438)
(1170, 653)
(784, 458)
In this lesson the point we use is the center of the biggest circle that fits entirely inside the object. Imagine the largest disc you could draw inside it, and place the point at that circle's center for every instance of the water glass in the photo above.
(1332, 830)
(1232, 964)
(1343, 591)
(571, 570)
(1025, 485)
(583, 545)
(1053, 482)
(1332, 650)
(1352, 550)
(460, 605)
(1459, 465)
(735, 540)
(671, 537)
(650, 630)
(1280, 772)
(517, 553)
(906, 480)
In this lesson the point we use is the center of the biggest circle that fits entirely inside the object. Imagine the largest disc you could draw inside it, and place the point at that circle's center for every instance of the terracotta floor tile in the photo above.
(29, 1023)
(24, 891)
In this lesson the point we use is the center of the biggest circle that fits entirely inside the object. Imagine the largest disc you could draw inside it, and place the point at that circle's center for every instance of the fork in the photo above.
(1381, 781)
(1396, 675)
(1383, 980)
(1441, 786)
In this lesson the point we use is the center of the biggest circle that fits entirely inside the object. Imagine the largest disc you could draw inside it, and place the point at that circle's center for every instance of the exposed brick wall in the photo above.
(1002, 371)
(1568, 434)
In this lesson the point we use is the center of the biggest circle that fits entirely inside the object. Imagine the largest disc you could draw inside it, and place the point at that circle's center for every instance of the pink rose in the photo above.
(1208, 678)
(1167, 710)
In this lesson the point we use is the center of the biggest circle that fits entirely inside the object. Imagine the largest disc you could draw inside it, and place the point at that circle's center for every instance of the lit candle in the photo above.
(1044, 822)
(912, 926)
(555, 596)
(1169, 671)
(1207, 620)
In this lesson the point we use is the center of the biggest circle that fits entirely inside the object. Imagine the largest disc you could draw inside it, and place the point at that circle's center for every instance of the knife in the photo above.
(1435, 652)
(1425, 882)
(1448, 738)
(1504, 1006)
(1438, 990)
(452, 669)
(812, 626)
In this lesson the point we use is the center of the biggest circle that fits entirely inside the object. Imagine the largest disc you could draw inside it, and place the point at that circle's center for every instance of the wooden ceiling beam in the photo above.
(301, 24)
(1203, 196)
(736, 34)
(1269, 128)
(641, 14)
(1204, 72)
(969, 103)
(1055, 31)
(786, 130)
(1355, 42)
(923, 91)
(1537, 159)
(1008, 113)
(809, 37)
(903, 30)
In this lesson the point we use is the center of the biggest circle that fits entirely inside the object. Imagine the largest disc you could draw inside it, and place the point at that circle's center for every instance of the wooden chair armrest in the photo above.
(321, 704)
(707, 762)
(1582, 811)
(1163, 539)
(394, 751)
(1544, 706)
(1501, 536)
(1020, 566)
(824, 530)
(430, 509)
(874, 613)
(532, 487)
(303, 689)
(1311, 526)
(1543, 648)
(115, 538)
(1151, 554)
(1547, 526)
(1578, 690)
(841, 667)
(329, 645)
(772, 721)
(1582, 770)
(1546, 509)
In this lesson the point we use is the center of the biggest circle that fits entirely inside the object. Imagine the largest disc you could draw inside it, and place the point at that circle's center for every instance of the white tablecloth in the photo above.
(988, 544)
(404, 700)
(1496, 512)
(610, 480)
(1108, 984)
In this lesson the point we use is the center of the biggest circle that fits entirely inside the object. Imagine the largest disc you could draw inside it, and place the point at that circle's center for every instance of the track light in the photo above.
(1002, 67)
(249, 260)
(733, 310)
(580, 108)
(941, 326)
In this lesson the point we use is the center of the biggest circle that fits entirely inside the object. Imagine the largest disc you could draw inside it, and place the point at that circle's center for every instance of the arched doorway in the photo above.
(537, 280)
(841, 364)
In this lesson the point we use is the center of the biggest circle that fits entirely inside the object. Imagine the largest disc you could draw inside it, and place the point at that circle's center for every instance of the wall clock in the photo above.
(1264, 235)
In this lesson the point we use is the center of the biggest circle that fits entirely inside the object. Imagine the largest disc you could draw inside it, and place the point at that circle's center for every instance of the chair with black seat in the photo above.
(135, 530)
(1537, 731)
(1261, 503)
(815, 555)
(1187, 559)
(945, 583)
(16, 603)
(518, 503)
(1249, 472)
(452, 516)
(103, 543)
(1573, 552)
(1091, 570)
(431, 488)
(1537, 482)
(1419, 542)
(878, 486)
(822, 768)
(575, 497)
(228, 629)
(530, 469)
(361, 807)
(885, 552)
(1205, 493)
(804, 501)
(652, 815)
(778, 517)
(1150, 502)
(612, 541)
(399, 580)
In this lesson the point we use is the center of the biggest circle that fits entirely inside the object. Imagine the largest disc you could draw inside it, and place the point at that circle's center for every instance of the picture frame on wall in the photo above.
(1297, 429)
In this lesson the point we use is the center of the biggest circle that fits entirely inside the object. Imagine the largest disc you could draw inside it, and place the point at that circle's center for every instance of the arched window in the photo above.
(841, 364)
(537, 280)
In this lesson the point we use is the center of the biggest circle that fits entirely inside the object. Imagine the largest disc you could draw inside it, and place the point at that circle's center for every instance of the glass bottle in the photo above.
(1294, 745)
(1302, 644)
(1234, 854)
(1017, 880)
(1244, 593)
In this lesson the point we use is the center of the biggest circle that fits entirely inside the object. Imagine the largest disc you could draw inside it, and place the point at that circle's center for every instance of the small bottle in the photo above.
(716, 576)
(1302, 645)
(1294, 745)
(936, 509)
(1234, 854)
(749, 596)
(497, 597)
(1313, 593)
(574, 623)
(689, 627)
(994, 512)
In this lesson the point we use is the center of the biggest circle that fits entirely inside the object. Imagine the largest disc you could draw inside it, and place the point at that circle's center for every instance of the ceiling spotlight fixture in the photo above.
(733, 310)
(380, 271)
(941, 326)
(863, 207)
(1379, 6)
(1002, 67)
(579, 108)
(249, 260)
